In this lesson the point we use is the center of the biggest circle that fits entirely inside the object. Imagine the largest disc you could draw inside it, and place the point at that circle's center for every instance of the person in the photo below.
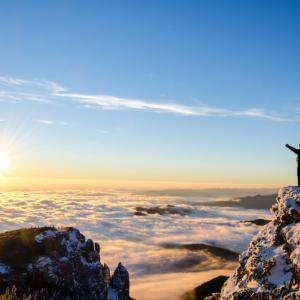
(296, 151)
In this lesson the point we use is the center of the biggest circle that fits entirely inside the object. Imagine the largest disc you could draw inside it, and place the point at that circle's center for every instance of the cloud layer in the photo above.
(45, 91)
(136, 240)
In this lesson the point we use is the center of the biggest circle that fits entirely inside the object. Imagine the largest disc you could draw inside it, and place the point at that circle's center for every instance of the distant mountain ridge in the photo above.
(249, 202)
(207, 193)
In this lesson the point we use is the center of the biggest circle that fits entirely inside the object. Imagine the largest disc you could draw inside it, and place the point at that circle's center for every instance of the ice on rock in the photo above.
(4, 269)
(270, 267)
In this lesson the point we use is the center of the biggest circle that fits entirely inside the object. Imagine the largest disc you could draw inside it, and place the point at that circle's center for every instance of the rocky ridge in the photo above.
(270, 267)
(58, 264)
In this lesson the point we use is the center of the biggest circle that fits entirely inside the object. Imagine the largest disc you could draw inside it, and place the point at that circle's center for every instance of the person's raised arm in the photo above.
(297, 151)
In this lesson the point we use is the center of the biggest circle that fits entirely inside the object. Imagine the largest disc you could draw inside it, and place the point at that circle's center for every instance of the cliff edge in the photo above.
(270, 267)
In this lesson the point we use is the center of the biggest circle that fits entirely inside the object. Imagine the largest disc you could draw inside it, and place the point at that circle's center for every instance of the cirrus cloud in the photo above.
(51, 122)
(45, 91)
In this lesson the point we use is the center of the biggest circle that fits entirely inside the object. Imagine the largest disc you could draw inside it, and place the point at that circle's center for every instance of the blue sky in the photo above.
(183, 91)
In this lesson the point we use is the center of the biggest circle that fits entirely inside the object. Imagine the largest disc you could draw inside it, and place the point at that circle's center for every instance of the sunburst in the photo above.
(4, 162)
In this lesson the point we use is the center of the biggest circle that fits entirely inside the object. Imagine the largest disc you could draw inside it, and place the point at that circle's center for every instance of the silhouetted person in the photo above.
(297, 151)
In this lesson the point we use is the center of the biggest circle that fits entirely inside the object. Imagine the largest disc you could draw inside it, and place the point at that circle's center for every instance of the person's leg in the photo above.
(298, 175)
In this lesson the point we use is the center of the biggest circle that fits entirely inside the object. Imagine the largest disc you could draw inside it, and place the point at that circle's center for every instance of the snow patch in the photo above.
(45, 234)
(43, 261)
(112, 294)
(4, 269)
(267, 267)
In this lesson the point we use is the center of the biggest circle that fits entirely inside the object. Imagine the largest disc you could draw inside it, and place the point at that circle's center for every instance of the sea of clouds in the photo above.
(137, 241)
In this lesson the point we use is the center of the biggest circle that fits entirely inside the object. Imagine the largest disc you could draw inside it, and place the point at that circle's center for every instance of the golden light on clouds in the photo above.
(5, 162)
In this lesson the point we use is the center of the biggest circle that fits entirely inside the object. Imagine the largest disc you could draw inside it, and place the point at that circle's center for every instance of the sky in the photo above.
(149, 93)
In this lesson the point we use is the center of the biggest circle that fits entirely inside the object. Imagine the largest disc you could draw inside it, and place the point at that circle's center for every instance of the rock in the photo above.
(89, 246)
(97, 248)
(106, 275)
(120, 282)
(270, 267)
(50, 263)
(214, 296)
(206, 289)
(139, 214)
(258, 222)
(161, 210)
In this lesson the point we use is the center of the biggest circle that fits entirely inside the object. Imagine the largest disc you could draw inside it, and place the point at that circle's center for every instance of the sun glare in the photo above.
(4, 162)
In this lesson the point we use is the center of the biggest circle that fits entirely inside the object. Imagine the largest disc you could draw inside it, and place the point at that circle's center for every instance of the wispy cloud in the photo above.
(112, 102)
(18, 90)
(11, 81)
(51, 122)
(45, 91)
(259, 113)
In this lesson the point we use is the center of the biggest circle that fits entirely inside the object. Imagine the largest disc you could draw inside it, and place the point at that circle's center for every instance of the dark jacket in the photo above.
(295, 150)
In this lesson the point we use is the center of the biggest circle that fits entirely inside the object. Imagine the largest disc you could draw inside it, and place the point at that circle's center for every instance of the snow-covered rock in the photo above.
(4, 269)
(120, 282)
(59, 263)
(270, 267)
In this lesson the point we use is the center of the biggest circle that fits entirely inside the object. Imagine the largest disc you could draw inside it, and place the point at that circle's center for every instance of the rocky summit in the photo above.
(50, 263)
(270, 267)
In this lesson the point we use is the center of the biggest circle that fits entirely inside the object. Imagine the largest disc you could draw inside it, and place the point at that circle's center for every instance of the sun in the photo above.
(4, 162)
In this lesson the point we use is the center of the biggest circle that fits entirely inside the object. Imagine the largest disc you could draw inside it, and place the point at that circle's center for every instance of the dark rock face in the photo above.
(270, 267)
(206, 289)
(61, 263)
(120, 282)
(210, 287)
